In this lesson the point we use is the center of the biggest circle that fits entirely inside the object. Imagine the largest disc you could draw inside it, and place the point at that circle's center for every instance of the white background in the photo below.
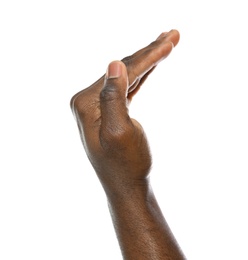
(193, 107)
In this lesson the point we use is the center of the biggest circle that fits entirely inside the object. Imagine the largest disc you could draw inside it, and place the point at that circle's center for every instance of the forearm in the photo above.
(142, 231)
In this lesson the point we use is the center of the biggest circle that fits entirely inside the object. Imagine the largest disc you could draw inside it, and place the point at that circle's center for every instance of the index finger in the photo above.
(147, 58)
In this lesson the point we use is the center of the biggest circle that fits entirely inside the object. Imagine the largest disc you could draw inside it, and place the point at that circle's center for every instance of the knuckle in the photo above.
(128, 60)
(79, 103)
(72, 102)
(75, 103)
(108, 93)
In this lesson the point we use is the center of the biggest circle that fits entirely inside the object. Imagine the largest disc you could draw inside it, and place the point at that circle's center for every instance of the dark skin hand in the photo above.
(117, 148)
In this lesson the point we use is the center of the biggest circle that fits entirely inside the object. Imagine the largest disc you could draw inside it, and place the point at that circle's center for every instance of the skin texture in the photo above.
(117, 148)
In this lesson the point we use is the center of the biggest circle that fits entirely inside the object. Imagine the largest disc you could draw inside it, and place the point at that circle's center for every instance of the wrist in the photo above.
(129, 192)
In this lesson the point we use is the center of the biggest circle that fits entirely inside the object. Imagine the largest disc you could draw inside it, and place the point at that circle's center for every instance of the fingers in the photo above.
(113, 99)
(138, 67)
(147, 58)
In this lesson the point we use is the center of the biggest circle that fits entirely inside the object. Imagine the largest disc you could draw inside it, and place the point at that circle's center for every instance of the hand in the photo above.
(118, 150)
(116, 144)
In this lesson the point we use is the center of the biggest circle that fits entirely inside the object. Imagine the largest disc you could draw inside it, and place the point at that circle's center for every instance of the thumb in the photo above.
(113, 98)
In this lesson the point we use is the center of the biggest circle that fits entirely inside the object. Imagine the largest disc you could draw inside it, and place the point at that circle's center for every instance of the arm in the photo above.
(118, 149)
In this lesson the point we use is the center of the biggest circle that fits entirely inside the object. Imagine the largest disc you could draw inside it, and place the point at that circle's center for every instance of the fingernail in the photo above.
(114, 70)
